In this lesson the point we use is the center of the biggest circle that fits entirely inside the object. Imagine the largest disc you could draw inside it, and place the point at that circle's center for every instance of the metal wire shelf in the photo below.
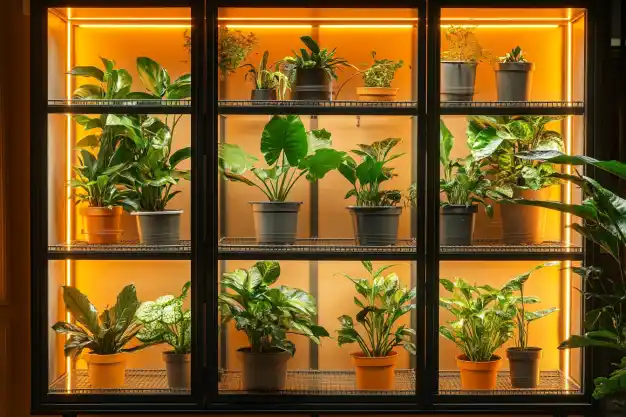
(314, 382)
(124, 106)
(125, 249)
(138, 381)
(512, 107)
(338, 107)
(492, 249)
(550, 383)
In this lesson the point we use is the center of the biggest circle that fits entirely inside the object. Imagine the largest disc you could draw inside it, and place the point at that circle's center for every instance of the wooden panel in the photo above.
(4, 365)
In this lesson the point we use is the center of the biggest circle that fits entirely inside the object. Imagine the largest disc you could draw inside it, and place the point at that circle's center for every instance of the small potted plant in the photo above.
(375, 217)
(484, 322)
(105, 335)
(495, 141)
(465, 186)
(458, 64)
(383, 303)
(311, 72)
(233, 47)
(291, 153)
(166, 321)
(377, 80)
(268, 84)
(514, 76)
(267, 314)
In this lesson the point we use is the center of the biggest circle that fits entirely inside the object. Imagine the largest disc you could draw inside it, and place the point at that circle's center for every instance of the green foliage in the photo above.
(463, 182)
(381, 72)
(166, 321)
(104, 334)
(290, 152)
(157, 81)
(516, 55)
(314, 57)
(233, 47)
(484, 318)
(111, 83)
(267, 313)
(367, 176)
(266, 79)
(463, 46)
(382, 302)
(495, 140)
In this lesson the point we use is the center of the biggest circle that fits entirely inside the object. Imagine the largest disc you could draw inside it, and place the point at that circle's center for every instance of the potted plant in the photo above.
(268, 84)
(383, 302)
(311, 72)
(495, 140)
(484, 322)
(233, 47)
(267, 314)
(105, 335)
(291, 153)
(166, 321)
(375, 217)
(514, 76)
(524, 359)
(465, 186)
(458, 64)
(377, 80)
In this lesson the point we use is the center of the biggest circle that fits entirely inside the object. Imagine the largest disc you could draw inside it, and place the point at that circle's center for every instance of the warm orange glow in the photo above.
(367, 26)
(68, 177)
(131, 19)
(505, 26)
(133, 26)
(320, 19)
(505, 19)
(270, 26)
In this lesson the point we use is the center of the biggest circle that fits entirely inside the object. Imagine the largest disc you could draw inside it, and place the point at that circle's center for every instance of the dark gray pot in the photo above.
(312, 84)
(159, 227)
(265, 94)
(263, 371)
(375, 226)
(178, 367)
(524, 366)
(456, 225)
(275, 223)
(457, 80)
(514, 80)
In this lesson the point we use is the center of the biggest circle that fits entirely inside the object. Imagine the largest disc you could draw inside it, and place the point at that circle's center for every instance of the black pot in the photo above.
(265, 94)
(524, 366)
(456, 225)
(312, 84)
(375, 226)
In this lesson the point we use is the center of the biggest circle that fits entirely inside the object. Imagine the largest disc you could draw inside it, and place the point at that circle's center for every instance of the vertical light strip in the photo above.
(69, 145)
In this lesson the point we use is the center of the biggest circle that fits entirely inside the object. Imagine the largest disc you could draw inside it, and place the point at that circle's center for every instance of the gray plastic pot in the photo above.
(275, 223)
(457, 80)
(159, 227)
(524, 366)
(178, 367)
(456, 225)
(312, 84)
(266, 94)
(375, 226)
(263, 371)
(514, 80)
(524, 225)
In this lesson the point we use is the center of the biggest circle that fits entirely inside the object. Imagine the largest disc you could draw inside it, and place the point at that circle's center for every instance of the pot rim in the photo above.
(112, 209)
(394, 89)
(156, 213)
(119, 357)
(360, 360)
(470, 63)
(516, 66)
(172, 353)
(460, 357)
(471, 209)
(275, 202)
(359, 354)
(366, 208)
(528, 349)
(247, 350)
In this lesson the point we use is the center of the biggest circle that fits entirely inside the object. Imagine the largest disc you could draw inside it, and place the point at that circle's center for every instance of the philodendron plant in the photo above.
(290, 153)
(267, 314)
(383, 302)
(165, 320)
(381, 72)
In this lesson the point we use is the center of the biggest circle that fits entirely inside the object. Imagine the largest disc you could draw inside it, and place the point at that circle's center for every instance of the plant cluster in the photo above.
(516, 55)
(381, 72)
(233, 47)
(463, 46)
(367, 176)
(268, 79)
(314, 57)
(383, 302)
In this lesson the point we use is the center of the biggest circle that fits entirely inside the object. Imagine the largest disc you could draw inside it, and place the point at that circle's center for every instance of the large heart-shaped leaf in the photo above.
(153, 76)
(284, 134)
(81, 308)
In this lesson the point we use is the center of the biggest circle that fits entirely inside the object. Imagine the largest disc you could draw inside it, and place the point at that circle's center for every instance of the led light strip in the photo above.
(69, 145)
(505, 26)
(133, 26)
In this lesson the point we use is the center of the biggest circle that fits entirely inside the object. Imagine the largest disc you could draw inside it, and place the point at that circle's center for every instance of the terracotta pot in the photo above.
(478, 375)
(102, 224)
(376, 93)
(523, 225)
(375, 373)
(263, 371)
(524, 366)
(178, 367)
(106, 371)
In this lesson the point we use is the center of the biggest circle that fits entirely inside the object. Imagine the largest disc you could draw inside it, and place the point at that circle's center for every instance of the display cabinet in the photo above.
(216, 191)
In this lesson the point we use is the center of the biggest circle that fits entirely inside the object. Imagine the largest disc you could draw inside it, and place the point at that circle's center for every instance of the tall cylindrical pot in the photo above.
(457, 80)
(514, 80)
(265, 94)
(263, 371)
(524, 366)
(478, 375)
(375, 374)
(102, 225)
(312, 84)
(178, 367)
(275, 223)
(106, 371)
(375, 226)
(524, 225)
(159, 227)
(456, 225)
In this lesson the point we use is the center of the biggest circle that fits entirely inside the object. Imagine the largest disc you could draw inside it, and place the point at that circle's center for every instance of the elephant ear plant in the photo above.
(375, 215)
(382, 303)
(267, 314)
(291, 153)
(268, 84)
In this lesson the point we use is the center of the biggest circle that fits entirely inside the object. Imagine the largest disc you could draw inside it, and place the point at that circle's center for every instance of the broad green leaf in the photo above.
(88, 71)
(88, 92)
(321, 162)
(234, 159)
(89, 141)
(179, 156)
(311, 44)
(153, 76)
(446, 142)
(284, 135)
(81, 308)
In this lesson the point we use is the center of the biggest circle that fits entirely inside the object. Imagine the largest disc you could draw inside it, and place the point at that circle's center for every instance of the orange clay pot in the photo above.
(102, 224)
(106, 371)
(478, 375)
(376, 374)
